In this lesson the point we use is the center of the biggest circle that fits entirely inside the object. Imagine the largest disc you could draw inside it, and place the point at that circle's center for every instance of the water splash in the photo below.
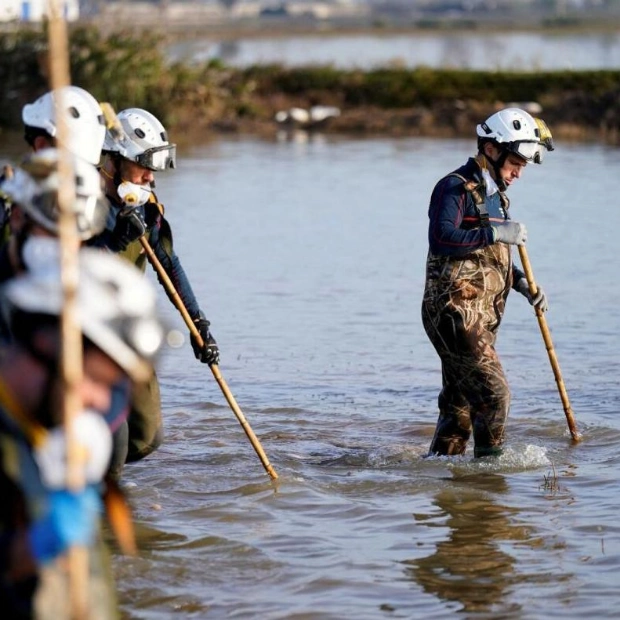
(514, 458)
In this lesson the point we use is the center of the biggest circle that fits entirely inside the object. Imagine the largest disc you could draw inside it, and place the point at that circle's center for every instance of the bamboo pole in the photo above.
(71, 337)
(570, 418)
(178, 302)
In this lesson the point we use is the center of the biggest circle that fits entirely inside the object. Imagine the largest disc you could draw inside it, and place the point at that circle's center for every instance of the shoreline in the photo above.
(197, 101)
(225, 27)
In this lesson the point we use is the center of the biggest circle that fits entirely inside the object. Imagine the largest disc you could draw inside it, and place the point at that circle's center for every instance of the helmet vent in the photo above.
(516, 124)
(139, 133)
(74, 112)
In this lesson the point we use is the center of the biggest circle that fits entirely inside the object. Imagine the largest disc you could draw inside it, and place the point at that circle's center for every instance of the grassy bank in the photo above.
(194, 100)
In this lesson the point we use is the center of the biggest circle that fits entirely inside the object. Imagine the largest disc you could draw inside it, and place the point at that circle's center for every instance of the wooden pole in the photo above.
(71, 348)
(178, 302)
(570, 418)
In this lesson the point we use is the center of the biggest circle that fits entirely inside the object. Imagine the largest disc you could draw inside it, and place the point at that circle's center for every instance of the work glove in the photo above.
(71, 518)
(510, 232)
(539, 301)
(130, 225)
(209, 352)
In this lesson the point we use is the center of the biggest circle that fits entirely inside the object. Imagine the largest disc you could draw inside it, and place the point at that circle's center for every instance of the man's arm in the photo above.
(160, 239)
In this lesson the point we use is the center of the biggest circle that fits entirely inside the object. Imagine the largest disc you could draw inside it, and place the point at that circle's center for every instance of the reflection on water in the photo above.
(470, 566)
(477, 51)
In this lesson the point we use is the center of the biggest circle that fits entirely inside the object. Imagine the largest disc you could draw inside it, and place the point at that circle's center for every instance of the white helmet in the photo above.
(84, 120)
(34, 187)
(116, 307)
(144, 140)
(516, 131)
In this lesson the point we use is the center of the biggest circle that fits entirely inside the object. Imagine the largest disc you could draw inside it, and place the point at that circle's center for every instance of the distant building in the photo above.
(36, 10)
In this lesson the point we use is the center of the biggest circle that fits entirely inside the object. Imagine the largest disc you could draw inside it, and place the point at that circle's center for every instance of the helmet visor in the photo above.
(530, 151)
(159, 158)
(546, 139)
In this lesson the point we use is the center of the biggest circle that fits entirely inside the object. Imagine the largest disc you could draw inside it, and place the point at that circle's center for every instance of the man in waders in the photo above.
(469, 272)
(128, 169)
(40, 517)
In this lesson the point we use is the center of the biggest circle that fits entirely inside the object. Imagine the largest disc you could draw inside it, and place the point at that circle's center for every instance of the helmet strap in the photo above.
(116, 177)
(497, 165)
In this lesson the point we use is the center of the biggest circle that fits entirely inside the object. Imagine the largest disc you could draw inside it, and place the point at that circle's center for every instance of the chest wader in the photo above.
(143, 432)
(463, 305)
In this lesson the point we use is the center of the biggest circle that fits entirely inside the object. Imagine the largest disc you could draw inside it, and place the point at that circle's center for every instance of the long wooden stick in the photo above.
(542, 322)
(71, 350)
(178, 302)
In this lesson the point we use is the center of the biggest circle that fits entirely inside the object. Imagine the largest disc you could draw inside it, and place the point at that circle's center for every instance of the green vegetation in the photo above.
(131, 70)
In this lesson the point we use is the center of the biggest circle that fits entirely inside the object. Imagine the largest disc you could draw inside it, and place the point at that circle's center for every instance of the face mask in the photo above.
(132, 194)
(40, 252)
(92, 434)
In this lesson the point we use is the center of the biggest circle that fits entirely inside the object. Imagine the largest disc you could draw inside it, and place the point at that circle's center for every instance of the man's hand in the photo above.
(70, 518)
(130, 225)
(209, 352)
(510, 232)
(539, 301)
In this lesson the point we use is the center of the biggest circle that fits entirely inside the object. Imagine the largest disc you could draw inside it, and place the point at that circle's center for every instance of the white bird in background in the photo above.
(301, 117)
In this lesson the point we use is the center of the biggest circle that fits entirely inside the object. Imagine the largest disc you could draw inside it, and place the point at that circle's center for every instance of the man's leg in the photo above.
(145, 420)
(454, 423)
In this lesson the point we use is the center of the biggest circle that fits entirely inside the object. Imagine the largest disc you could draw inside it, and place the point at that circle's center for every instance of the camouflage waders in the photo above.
(463, 304)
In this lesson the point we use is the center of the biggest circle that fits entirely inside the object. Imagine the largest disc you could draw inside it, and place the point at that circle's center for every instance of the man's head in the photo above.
(83, 117)
(509, 140)
(116, 314)
(34, 186)
(135, 150)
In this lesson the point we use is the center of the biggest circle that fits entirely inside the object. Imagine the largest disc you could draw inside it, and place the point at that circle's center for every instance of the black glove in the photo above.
(209, 352)
(130, 225)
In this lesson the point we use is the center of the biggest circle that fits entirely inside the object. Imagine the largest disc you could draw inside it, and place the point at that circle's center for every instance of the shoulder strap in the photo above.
(504, 200)
(476, 190)
(153, 199)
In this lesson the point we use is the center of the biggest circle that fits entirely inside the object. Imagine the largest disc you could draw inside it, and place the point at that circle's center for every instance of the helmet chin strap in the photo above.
(116, 177)
(497, 165)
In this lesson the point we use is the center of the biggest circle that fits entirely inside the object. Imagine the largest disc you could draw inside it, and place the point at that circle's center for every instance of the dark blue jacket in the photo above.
(455, 226)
